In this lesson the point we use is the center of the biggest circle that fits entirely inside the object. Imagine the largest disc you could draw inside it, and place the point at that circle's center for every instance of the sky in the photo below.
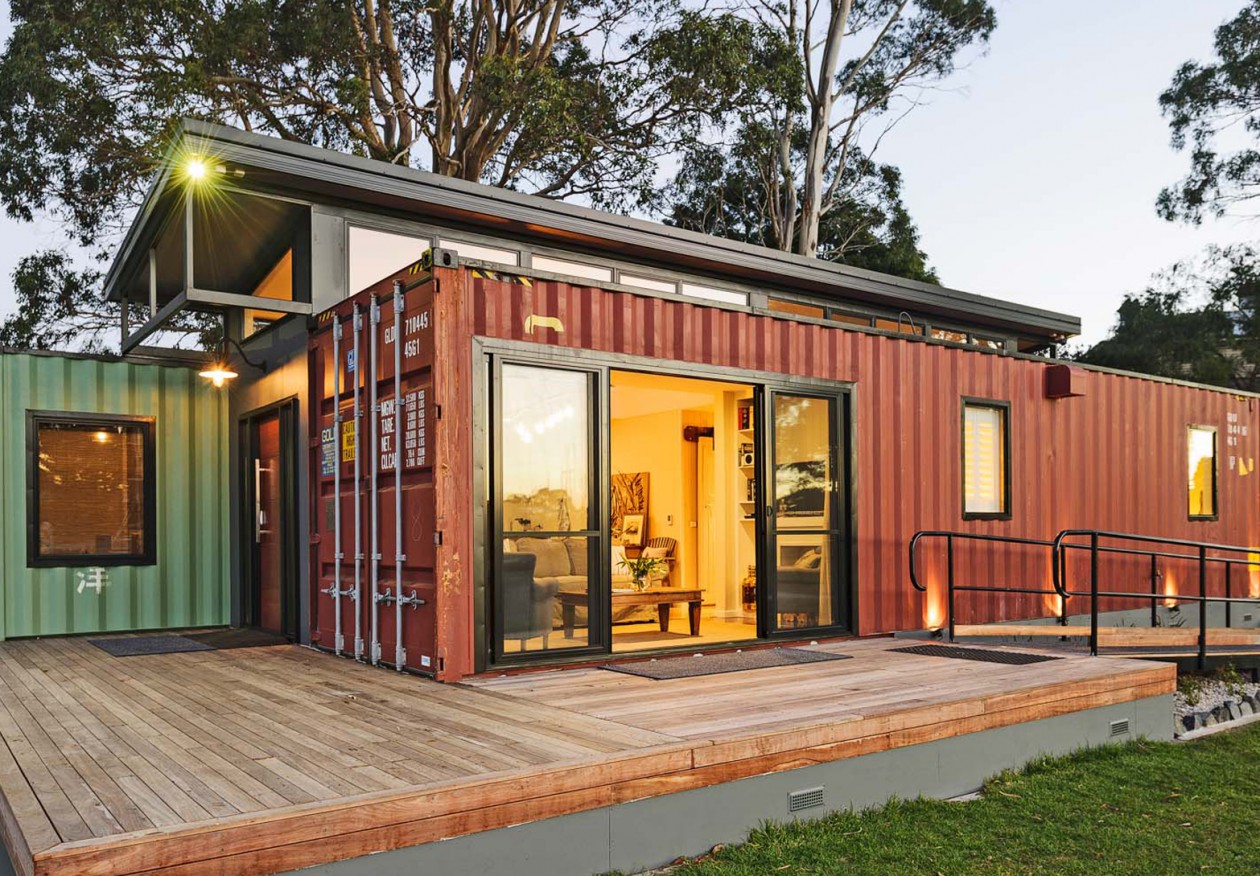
(1033, 175)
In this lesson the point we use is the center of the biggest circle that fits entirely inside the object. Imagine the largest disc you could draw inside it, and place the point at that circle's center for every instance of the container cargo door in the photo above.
(374, 545)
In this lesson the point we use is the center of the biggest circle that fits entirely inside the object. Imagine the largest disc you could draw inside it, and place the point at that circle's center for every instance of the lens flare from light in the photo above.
(195, 168)
(218, 374)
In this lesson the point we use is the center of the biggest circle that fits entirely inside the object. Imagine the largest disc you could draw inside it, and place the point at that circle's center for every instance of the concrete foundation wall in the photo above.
(632, 837)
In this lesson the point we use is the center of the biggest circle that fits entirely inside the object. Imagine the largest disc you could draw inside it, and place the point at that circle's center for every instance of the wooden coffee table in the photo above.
(662, 597)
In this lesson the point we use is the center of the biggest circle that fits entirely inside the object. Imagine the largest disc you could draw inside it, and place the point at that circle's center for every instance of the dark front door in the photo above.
(805, 554)
(270, 602)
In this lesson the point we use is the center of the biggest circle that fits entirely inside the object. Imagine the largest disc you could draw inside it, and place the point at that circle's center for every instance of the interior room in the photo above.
(683, 495)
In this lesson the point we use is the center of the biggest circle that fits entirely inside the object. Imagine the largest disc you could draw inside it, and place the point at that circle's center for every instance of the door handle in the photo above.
(258, 512)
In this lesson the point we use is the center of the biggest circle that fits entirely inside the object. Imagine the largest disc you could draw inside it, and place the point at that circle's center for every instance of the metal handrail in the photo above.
(952, 587)
(1059, 547)
(1059, 566)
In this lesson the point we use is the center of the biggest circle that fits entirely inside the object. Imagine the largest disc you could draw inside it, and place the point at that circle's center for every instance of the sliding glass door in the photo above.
(546, 591)
(805, 520)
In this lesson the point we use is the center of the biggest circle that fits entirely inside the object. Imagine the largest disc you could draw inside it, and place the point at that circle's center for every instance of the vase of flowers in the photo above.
(641, 569)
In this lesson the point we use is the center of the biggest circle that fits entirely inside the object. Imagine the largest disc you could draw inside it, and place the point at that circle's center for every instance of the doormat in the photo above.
(716, 664)
(224, 640)
(1012, 658)
(136, 646)
(211, 640)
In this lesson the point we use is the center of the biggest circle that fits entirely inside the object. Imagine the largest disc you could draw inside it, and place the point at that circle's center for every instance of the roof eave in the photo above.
(353, 174)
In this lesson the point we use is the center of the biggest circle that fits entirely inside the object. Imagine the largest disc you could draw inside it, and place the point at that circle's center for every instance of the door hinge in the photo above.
(437, 536)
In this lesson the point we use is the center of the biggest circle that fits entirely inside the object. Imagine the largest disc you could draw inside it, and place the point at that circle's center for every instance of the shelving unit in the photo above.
(746, 486)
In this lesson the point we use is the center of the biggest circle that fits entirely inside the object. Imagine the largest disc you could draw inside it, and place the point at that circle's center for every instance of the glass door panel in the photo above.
(547, 537)
(805, 516)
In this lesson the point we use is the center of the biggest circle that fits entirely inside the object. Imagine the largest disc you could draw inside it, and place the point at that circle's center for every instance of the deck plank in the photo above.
(270, 759)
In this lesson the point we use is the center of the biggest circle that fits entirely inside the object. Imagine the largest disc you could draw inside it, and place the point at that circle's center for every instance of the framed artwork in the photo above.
(632, 527)
(629, 496)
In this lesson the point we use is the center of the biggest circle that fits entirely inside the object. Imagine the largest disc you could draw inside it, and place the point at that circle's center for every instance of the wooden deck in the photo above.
(265, 760)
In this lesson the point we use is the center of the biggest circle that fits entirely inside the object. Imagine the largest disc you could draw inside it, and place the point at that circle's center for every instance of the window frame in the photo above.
(1004, 407)
(34, 559)
(1216, 472)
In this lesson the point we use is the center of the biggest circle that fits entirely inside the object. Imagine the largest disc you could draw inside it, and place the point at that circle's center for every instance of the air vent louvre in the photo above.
(809, 798)
(1120, 728)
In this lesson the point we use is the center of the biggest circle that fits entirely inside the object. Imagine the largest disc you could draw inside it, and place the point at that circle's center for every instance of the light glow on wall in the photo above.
(1170, 589)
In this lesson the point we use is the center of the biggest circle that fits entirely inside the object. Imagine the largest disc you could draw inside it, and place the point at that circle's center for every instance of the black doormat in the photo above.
(136, 646)
(210, 640)
(1013, 658)
(224, 640)
(715, 664)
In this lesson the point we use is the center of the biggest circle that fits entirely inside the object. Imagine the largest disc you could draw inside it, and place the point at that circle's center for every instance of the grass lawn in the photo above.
(1148, 808)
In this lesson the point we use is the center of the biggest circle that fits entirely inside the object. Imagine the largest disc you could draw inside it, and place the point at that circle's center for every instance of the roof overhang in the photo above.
(325, 176)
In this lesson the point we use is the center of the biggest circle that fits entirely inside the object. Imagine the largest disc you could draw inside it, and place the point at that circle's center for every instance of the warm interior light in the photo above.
(101, 437)
(196, 169)
(218, 374)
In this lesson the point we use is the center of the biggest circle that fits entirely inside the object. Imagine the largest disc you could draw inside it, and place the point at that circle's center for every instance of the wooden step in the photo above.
(1119, 637)
(1019, 630)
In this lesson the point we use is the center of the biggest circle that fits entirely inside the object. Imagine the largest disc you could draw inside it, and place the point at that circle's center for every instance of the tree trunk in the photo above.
(821, 99)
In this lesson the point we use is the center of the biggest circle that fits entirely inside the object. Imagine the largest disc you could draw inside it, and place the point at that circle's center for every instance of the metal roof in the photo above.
(367, 184)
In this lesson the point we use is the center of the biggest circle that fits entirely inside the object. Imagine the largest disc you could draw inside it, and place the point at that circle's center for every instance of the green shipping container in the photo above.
(188, 586)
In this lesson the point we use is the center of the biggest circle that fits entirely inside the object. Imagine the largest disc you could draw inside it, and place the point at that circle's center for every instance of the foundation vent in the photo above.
(1120, 728)
(809, 798)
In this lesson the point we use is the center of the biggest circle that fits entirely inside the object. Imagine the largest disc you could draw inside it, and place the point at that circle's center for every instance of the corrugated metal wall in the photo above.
(189, 584)
(1113, 459)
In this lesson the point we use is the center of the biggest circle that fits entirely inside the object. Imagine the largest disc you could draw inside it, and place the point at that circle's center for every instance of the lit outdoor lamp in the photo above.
(220, 371)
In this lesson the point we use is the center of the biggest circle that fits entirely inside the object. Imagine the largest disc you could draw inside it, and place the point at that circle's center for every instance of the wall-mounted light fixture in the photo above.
(220, 370)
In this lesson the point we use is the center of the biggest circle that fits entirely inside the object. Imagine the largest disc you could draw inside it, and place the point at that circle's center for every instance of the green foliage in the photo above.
(641, 568)
(559, 97)
(724, 193)
(1234, 681)
(1191, 688)
(796, 169)
(62, 307)
(1211, 102)
(1143, 809)
(1199, 321)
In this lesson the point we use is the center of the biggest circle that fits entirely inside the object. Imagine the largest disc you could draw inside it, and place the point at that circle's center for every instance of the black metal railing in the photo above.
(953, 587)
(1202, 553)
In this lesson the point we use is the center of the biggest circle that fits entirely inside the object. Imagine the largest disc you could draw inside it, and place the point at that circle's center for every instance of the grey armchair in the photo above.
(527, 604)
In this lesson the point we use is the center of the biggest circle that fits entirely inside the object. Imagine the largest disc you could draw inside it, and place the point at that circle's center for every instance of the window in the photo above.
(949, 335)
(1201, 441)
(697, 291)
(649, 283)
(482, 253)
(904, 325)
(375, 255)
(571, 269)
(782, 306)
(90, 488)
(849, 318)
(986, 460)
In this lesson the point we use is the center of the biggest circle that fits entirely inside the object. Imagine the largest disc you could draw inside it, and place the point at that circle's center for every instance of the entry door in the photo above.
(548, 578)
(271, 586)
(804, 558)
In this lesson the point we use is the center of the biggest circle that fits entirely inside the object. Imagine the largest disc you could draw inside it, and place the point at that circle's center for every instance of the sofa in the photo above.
(564, 562)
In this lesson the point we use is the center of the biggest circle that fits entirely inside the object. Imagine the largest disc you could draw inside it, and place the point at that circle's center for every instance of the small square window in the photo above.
(986, 459)
(1201, 443)
(91, 490)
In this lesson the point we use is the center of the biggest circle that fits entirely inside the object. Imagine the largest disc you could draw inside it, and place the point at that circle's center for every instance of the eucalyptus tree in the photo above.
(835, 78)
(565, 98)
(1213, 112)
